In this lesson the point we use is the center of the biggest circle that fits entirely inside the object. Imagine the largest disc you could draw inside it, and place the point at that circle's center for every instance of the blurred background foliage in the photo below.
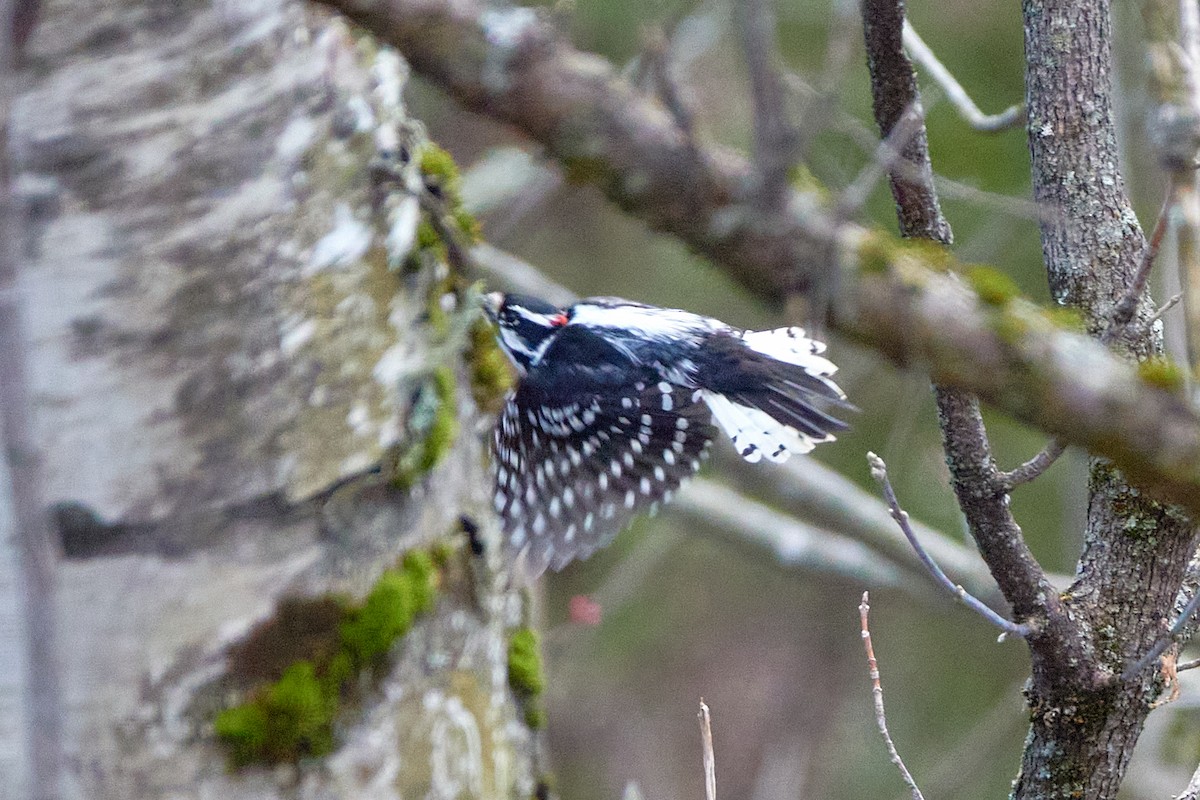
(777, 653)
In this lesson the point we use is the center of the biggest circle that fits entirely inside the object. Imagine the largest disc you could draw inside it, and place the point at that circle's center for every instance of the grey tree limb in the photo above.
(510, 65)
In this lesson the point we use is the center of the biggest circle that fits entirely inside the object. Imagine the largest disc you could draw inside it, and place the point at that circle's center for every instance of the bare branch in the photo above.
(985, 123)
(1034, 467)
(828, 499)
(515, 68)
(1172, 301)
(710, 760)
(879, 473)
(864, 610)
(790, 541)
(775, 137)
(868, 141)
(1127, 306)
(894, 93)
(890, 158)
(977, 485)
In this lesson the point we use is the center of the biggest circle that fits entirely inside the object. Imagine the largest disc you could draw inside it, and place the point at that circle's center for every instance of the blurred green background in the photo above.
(777, 653)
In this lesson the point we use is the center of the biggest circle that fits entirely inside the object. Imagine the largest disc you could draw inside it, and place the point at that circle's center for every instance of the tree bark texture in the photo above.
(1136, 550)
(221, 355)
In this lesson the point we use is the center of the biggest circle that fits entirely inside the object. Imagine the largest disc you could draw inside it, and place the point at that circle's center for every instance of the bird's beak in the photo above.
(491, 305)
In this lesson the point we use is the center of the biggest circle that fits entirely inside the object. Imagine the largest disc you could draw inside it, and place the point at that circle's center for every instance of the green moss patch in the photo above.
(491, 374)
(433, 427)
(300, 685)
(994, 287)
(442, 178)
(1163, 373)
(525, 674)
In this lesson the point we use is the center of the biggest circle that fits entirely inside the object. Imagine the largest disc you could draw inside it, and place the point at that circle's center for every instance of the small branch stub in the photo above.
(710, 761)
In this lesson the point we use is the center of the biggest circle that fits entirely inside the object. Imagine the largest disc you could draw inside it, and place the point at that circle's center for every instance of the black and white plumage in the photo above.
(618, 403)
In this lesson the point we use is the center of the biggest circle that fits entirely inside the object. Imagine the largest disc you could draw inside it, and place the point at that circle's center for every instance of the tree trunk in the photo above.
(1084, 728)
(229, 331)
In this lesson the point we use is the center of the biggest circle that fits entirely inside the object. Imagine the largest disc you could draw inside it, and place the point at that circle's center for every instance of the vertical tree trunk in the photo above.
(1084, 730)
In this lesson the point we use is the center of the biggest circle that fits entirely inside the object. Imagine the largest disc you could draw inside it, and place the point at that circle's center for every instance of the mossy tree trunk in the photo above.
(248, 376)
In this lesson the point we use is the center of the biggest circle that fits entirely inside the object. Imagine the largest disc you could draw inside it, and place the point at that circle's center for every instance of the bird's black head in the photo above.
(526, 325)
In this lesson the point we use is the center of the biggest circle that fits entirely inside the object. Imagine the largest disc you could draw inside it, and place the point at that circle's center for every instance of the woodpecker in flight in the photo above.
(616, 405)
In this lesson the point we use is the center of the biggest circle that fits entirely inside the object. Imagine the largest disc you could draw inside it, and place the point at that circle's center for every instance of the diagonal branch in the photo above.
(896, 100)
(508, 64)
(985, 123)
(879, 473)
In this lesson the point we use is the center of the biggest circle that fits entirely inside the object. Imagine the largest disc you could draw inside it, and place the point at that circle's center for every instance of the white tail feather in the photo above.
(792, 346)
(755, 433)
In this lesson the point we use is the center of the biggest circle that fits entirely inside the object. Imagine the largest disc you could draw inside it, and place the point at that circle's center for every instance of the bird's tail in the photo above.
(775, 399)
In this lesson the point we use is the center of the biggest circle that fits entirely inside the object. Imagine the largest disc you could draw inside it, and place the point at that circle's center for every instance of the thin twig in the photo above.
(879, 473)
(864, 610)
(866, 139)
(888, 154)
(985, 123)
(1164, 308)
(1188, 665)
(1165, 641)
(1127, 306)
(1034, 467)
(710, 761)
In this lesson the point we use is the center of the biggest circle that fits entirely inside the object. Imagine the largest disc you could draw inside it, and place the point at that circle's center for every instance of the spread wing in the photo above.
(585, 443)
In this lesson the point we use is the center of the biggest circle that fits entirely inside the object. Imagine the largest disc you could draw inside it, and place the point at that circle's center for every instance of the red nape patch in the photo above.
(558, 320)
